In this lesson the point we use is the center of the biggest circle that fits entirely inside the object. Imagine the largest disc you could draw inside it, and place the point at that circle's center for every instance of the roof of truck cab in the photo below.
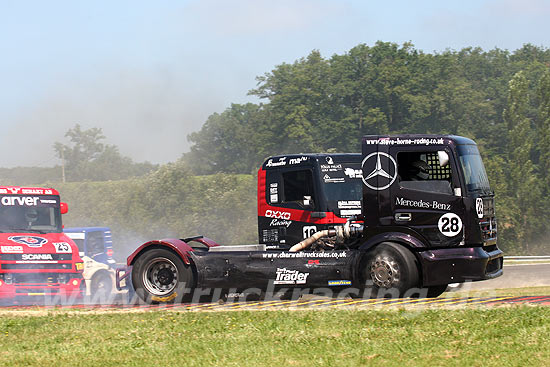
(416, 139)
(303, 159)
(17, 190)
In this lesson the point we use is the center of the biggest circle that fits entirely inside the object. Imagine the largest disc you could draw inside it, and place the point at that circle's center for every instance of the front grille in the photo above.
(37, 290)
(27, 266)
(24, 257)
(38, 278)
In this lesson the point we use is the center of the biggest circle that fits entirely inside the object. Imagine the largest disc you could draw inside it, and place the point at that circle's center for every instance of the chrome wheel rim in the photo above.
(384, 272)
(160, 276)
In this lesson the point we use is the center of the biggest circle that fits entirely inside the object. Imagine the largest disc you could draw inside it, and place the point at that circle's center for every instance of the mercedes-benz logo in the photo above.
(382, 174)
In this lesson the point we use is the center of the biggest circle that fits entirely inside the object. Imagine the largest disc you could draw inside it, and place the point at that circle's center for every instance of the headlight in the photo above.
(79, 266)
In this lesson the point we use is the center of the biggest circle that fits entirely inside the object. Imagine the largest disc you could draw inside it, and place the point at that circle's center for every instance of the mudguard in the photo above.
(408, 240)
(181, 247)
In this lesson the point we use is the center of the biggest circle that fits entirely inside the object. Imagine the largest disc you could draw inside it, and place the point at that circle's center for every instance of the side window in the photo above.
(296, 185)
(423, 171)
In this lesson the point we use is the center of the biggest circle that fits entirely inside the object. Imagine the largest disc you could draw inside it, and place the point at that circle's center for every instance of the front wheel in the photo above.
(390, 271)
(160, 276)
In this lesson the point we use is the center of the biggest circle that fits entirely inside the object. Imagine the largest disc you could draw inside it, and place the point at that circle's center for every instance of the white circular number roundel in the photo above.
(479, 207)
(450, 224)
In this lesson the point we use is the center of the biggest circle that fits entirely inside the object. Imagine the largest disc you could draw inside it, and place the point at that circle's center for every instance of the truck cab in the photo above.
(36, 257)
(316, 190)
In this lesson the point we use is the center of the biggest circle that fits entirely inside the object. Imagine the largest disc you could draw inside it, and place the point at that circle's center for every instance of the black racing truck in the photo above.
(408, 216)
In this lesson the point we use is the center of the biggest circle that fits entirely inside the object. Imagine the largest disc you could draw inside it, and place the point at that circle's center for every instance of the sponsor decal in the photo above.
(333, 283)
(62, 247)
(36, 257)
(352, 173)
(382, 175)
(313, 262)
(308, 231)
(277, 214)
(329, 160)
(349, 212)
(297, 160)
(280, 162)
(422, 204)
(306, 254)
(11, 249)
(19, 200)
(48, 201)
(273, 193)
(31, 241)
(331, 167)
(479, 207)
(280, 223)
(449, 224)
(289, 276)
(328, 179)
(36, 192)
(400, 141)
(349, 204)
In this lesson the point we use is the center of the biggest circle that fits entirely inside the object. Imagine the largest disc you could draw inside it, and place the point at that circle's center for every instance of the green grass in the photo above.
(506, 336)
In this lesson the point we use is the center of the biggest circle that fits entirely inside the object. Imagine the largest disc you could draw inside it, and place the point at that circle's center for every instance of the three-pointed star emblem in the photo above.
(388, 171)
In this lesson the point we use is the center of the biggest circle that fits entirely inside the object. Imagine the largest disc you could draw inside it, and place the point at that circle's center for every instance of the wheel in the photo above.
(101, 286)
(390, 271)
(160, 276)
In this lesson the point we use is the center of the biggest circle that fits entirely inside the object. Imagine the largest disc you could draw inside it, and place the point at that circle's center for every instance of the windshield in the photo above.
(473, 168)
(343, 189)
(29, 213)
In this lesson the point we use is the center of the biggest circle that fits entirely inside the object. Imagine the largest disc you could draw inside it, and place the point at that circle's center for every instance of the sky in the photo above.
(149, 73)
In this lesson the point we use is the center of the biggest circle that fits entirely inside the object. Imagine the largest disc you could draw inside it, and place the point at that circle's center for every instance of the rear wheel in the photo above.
(390, 271)
(160, 276)
(101, 286)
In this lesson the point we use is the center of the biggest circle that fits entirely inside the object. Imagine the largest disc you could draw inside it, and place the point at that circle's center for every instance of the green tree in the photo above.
(523, 186)
(87, 158)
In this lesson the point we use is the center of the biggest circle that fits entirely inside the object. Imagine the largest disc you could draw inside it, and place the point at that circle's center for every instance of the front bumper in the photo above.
(73, 289)
(460, 264)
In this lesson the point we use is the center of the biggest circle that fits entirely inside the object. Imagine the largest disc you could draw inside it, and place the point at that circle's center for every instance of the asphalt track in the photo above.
(313, 303)
(515, 276)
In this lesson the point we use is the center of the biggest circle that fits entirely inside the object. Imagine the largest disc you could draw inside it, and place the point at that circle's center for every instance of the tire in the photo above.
(160, 276)
(101, 287)
(390, 271)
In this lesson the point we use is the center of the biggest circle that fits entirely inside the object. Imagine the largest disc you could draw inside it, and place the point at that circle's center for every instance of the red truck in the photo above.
(36, 257)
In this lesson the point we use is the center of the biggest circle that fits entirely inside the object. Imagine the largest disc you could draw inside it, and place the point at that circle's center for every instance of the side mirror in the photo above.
(443, 158)
(64, 208)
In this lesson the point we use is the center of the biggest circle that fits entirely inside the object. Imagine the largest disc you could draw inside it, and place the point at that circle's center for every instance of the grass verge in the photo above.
(472, 337)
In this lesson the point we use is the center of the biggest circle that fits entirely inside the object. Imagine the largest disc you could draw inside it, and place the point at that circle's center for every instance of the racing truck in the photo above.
(95, 246)
(36, 257)
(405, 218)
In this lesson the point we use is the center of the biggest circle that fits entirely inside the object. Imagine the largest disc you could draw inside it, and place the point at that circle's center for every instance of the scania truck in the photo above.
(408, 216)
(36, 257)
